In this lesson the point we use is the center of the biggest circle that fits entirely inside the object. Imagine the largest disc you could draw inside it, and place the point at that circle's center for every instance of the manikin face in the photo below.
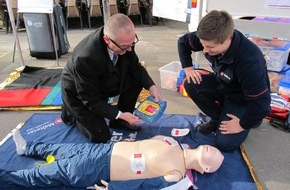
(209, 158)
(212, 48)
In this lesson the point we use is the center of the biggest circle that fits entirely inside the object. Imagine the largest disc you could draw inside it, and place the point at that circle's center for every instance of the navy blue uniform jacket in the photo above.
(241, 73)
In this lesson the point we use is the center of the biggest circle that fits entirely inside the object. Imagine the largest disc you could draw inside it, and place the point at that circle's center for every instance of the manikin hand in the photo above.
(101, 187)
(192, 74)
(231, 126)
(154, 92)
(129, 117)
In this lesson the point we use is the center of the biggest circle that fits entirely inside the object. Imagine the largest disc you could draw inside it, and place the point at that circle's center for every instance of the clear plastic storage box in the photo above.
(276, 53)
(169, 74)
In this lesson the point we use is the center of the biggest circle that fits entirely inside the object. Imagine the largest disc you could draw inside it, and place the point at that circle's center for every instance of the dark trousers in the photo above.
(215, 104)
(94, 126)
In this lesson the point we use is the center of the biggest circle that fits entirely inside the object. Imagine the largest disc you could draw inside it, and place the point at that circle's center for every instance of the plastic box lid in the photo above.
(275, 44)
(283, 48)
(285, 81)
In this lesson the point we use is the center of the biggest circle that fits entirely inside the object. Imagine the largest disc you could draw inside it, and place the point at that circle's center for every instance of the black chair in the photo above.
(73, 10)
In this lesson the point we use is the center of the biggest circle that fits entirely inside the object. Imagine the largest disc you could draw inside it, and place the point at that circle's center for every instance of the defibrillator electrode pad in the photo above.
(137, 162)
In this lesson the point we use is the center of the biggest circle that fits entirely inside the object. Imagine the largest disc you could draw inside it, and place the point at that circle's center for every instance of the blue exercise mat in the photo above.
(233, 174)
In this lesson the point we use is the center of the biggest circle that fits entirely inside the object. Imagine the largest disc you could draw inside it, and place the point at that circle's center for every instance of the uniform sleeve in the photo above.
(255, 85)
(186, 44)
(140, 184)
(258, 107)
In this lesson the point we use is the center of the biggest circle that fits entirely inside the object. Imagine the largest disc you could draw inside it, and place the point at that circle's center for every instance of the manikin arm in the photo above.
(137, 184)
(173, 177)
(160, 137)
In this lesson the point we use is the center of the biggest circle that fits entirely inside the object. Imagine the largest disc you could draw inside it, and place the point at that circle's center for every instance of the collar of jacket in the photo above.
(229, 56)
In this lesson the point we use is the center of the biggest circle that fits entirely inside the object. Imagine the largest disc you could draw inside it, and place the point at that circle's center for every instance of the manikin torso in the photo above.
(147, 159)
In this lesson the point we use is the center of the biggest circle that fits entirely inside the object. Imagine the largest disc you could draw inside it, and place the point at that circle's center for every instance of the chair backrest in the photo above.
(95, 8)
(72, 8)
(13, 4)
(71, 2)
(133, 8)
(113, 7)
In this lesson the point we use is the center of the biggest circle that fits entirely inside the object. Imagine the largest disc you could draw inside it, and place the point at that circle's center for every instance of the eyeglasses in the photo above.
(128, 46)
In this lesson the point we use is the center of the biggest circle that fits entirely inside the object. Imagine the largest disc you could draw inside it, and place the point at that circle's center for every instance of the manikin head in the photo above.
(209, 159)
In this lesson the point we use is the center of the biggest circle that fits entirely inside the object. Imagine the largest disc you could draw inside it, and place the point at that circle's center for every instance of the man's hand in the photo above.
(231, 126)
(129, 117)
(154, 92)
(101, 187)
(192, 74)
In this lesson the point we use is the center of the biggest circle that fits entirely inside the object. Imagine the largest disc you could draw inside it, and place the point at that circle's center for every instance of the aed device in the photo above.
(149, 110)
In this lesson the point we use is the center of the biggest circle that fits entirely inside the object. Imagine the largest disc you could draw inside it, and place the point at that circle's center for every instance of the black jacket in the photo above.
(90, 78)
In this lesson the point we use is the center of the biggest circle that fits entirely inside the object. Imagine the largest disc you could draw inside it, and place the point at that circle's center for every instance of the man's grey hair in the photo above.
(116, 23)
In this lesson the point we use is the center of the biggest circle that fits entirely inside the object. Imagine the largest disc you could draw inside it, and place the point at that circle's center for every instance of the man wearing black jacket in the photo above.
(236, 95)
(104, 65)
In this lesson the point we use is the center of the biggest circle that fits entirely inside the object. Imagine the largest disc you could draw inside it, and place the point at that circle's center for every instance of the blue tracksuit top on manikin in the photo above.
(241, 74)
(76, 165)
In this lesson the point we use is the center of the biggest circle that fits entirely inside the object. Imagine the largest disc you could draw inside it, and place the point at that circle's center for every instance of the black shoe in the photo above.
(208, 127)
(121, 124)
(66, 116)
(68, 120)
(258, 125)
